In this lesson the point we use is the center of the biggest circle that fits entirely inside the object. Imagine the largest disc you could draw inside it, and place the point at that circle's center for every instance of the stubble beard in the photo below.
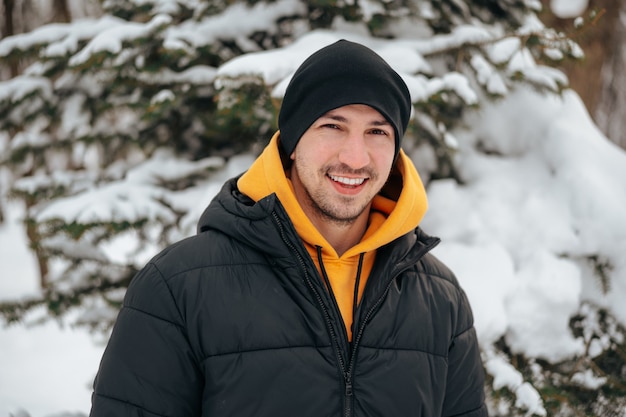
(332, 211)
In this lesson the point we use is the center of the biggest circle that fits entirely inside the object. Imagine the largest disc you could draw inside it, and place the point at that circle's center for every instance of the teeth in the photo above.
(347, 181)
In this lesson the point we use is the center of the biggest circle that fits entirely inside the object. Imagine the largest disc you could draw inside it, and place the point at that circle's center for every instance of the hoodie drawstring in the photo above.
(355, 301)
(356, 288)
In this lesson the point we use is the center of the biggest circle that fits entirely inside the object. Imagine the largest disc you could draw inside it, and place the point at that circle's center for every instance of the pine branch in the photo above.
(57, 302)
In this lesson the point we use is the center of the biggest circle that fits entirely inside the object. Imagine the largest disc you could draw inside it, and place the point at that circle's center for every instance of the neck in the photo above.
(342, 235)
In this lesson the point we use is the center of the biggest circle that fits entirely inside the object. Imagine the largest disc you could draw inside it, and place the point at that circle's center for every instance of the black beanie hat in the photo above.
(337, 75)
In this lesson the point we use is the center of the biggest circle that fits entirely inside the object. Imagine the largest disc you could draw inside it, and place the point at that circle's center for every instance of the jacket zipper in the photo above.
(333, 335)
(347, 373)
(357, 339)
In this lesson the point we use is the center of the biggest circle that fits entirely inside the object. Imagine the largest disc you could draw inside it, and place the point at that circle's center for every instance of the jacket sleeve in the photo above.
(465, 395)
(148, 367)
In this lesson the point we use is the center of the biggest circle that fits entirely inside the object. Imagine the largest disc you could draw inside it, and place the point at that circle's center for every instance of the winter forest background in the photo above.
(120, 119)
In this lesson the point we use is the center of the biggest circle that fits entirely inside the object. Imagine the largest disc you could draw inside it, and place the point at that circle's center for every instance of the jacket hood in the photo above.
(397, 210)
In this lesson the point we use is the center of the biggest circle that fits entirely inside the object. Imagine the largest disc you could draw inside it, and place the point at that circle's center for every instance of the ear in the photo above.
(293, 156)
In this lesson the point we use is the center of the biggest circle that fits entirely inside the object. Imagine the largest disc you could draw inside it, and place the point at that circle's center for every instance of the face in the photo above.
(341, 162)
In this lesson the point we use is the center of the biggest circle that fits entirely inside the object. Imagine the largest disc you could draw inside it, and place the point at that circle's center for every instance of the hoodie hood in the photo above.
(397, 210)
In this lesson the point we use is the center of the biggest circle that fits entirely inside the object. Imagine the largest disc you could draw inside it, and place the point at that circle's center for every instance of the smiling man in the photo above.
(309, 289)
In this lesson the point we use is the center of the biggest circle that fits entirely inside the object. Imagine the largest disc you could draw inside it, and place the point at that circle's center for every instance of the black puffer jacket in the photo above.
(236, 321)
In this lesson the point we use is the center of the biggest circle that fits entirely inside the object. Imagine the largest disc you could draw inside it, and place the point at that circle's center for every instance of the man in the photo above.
(309, 289)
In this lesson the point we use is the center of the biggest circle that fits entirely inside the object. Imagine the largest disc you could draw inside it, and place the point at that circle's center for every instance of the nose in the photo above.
(354, 151)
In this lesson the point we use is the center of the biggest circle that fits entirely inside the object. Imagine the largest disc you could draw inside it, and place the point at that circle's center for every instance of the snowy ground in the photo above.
(46, 369)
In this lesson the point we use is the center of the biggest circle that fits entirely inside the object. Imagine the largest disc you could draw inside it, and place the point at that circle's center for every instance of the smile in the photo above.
(347, 181)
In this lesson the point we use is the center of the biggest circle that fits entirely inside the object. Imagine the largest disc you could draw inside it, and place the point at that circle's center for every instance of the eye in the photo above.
(330, 126)
(379, 132)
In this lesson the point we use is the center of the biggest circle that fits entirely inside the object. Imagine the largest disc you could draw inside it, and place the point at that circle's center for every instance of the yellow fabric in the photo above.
(388, 220)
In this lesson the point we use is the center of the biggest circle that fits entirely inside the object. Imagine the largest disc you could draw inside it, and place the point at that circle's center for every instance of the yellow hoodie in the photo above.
(389, 219)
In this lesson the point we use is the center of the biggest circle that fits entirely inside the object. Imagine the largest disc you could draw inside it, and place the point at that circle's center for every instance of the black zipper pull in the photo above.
(348, 379)
(347, 401)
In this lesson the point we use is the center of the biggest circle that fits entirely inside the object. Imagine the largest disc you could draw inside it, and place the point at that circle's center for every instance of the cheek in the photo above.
(384, 157)
(305, 165)
(315, 154)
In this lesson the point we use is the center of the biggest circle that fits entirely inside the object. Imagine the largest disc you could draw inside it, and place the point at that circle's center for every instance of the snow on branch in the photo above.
(111, 39)
(139, 196)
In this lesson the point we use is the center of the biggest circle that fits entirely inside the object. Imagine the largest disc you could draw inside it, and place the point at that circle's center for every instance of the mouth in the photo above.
(347, 182)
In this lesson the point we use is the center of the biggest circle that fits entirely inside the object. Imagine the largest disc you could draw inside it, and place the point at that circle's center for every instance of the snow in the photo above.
(134, 198)
(45, 369)
(588, 380)
(566, 9)
(488, 76)
(545, 194)
(111, 39)
(234, 22)
(16, 91)
(527, 218)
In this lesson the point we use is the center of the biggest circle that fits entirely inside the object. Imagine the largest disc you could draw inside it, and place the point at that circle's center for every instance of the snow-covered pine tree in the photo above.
(113, 133)
(94, 129)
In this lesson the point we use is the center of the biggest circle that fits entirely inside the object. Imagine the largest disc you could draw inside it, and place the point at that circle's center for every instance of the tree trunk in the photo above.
(609, 114)
(42, 261)
(599, 79)
(60, 11)
(8, 6)
(9, 30)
